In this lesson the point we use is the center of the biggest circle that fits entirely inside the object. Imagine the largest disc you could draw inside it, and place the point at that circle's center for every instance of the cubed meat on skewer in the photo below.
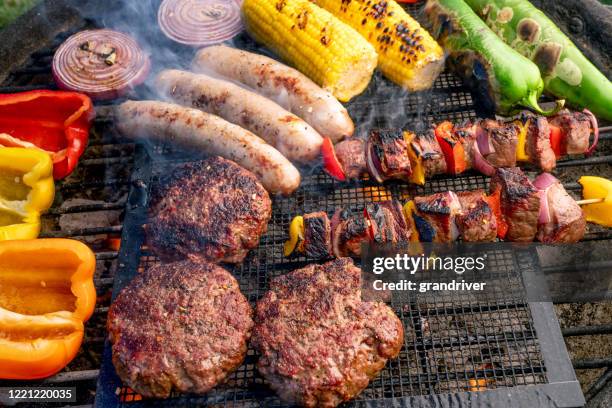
(565, 221)
(400, 227)
(387, 155)
(520, 203)
(476, 221)
(317, 235)
(576, 130)
(351, 155)
(538, 144)
(432, 155)
(436, 217)
(502, 140)
(387, 223)
(348, 233)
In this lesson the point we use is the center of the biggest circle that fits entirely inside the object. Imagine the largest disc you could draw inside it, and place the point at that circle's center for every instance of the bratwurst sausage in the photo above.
(286, 86)
(193, 129)
(293, 137)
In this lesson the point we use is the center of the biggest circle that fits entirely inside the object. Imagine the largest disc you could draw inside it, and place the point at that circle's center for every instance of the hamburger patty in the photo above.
(181, 326)
(213, 208)
(320, 344)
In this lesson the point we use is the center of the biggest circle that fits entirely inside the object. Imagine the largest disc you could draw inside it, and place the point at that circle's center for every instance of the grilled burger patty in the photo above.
(182, 326)
(214, 209)
(320, 344)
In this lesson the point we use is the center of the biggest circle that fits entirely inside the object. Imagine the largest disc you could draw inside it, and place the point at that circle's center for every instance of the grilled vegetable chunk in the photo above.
(506, 79)
(566, 71)
(328, 51)
(520, 203)
(408, 55)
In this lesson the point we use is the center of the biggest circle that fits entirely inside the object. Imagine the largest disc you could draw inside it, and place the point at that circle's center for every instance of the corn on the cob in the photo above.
(324, 48)
(407, 54)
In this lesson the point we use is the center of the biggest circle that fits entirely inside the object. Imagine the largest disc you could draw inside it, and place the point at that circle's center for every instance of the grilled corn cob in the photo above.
(328, 51)
(407, 54)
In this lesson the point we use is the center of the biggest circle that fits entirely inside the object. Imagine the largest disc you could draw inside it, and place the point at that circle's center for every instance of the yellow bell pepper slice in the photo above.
(597, 188)
(296, 233)
(46, 295)
(26, 191)
(416, 161)
(521, 147)
(409, 209)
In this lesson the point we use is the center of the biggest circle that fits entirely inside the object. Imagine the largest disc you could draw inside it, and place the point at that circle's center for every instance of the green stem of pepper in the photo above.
(531, 102)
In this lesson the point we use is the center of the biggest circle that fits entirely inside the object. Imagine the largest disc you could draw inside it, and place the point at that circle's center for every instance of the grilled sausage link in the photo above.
(286, 86)
(196, 130)
(293, 137)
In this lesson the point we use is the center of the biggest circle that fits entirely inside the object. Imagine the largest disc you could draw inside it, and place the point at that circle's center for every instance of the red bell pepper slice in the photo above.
(452, 148)
(556, 140)
(57, 122)
(331, 164)
(494, 201)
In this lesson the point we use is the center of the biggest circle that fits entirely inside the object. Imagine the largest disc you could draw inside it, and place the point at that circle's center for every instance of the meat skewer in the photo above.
(483, 145)
(515, 209)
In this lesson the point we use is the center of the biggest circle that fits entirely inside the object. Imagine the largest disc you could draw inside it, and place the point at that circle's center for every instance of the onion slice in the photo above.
(103, 64)
(484, 142)
(543, 183)
(200, 23)
(480, 163)
(595, 127)
(371, 163)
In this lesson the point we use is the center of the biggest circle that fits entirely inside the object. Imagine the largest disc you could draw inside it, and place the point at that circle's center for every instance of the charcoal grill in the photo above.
(515, 347)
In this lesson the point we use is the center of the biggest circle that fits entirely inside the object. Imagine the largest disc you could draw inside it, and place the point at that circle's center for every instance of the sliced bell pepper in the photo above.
(593, 188)
(46, 295)
(56, 122)
(494, 201)
(331, 164)
(416, 161)
(296, 233)
(556, 140)
(521, 146)
(452, 148)
(409, 210)
(26, 191)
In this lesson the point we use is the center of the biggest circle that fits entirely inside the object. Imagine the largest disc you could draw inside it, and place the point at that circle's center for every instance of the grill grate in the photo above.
(447, 345)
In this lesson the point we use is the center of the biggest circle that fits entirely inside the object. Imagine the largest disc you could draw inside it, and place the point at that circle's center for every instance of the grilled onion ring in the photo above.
(200, 23)
(104, 64)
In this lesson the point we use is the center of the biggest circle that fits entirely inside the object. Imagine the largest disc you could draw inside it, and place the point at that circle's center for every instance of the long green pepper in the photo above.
(510, 80)
(567, 73)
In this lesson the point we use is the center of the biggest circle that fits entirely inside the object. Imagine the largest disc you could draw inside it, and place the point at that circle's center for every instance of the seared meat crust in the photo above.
(476, 221)
(182, 326)
(213, 208)
(317, 235)
(320, 344)
(351, 155)
(538, 144)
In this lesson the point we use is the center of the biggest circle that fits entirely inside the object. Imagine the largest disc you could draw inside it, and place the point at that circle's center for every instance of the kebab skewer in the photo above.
(483, 145)
(515, 209)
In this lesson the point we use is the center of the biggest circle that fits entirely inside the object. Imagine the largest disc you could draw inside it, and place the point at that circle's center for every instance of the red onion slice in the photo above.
(595, 127)
(543, 183)
(372, 162)
(480, 163)
(104, 64)
(484, 142)
(200, 23)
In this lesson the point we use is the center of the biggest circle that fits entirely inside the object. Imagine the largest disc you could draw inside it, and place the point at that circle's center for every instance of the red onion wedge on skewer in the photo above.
(543, 183)
(103, 64)
(200, 23)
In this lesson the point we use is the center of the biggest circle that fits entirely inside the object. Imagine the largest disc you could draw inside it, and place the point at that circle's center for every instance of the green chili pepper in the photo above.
(510, 80)
(566, 72)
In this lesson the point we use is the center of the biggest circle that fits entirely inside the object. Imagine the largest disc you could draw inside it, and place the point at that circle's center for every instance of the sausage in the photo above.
(293, 137)
(193, 129)
(286, 86)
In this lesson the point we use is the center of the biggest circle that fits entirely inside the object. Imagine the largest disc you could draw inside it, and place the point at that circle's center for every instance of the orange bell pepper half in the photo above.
(56, 122)
(452, 148)
(46, 295)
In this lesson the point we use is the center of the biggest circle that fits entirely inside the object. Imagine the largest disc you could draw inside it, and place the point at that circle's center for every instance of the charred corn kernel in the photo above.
(325, 49)
(296, 233)
(416, 160)
(407, 54)
(521, 146)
